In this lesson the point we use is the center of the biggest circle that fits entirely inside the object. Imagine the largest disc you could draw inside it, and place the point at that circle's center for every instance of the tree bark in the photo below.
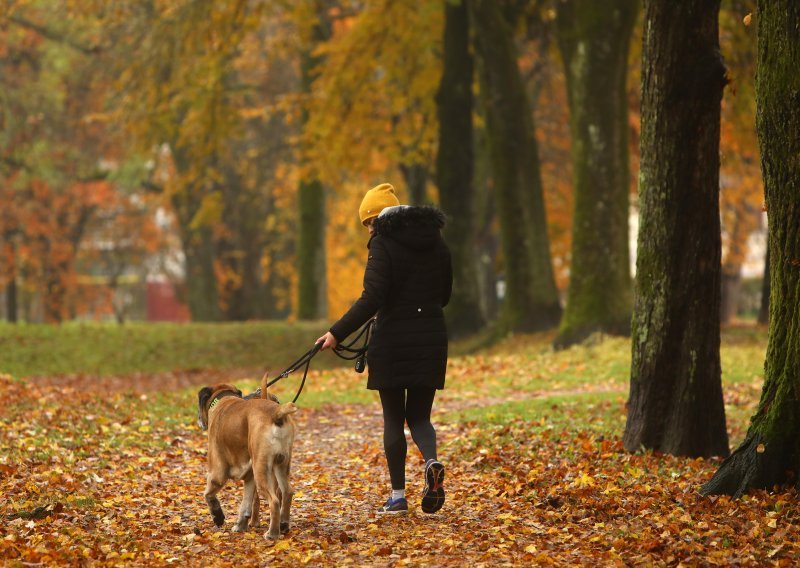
(770, 453)
(731, 287)
(594, 39)
(531, 299)
(11, 285)
(11, 300)
(311, 278)
(201, 283)
(312, 292)
(454, 172)
(416, 178)
(675, 403)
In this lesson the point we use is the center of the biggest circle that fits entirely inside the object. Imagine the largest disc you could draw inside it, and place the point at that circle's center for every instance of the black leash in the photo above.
(359, 354)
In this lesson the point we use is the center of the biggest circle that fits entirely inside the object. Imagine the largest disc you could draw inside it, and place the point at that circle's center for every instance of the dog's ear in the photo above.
(239, 393)
(203, 396)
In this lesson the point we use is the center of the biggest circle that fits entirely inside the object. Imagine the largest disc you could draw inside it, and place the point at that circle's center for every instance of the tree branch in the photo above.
(53, 35)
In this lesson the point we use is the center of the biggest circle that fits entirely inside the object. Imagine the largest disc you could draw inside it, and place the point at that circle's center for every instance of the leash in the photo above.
(346, 352)
(360, 354)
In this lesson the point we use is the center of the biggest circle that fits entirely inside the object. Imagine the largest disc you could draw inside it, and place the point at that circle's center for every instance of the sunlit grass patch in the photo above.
(600, 412)
(110, 349)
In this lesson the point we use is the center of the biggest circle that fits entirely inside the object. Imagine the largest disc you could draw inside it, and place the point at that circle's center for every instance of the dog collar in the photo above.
(219, 396)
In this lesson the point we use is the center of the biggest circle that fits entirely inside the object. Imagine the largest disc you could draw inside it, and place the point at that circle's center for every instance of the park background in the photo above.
(200, 164)
(205, 161)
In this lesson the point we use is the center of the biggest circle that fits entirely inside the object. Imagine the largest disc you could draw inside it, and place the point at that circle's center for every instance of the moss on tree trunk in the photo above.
(531, 300)
(770, 454)
(675, 403)
(454, 172)
(594, 39)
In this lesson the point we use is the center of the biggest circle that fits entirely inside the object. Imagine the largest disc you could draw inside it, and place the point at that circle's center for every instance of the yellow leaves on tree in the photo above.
(374, 104)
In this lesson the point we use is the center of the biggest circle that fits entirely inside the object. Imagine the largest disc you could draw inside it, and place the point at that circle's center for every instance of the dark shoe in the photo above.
(394, 507)
(433, 495)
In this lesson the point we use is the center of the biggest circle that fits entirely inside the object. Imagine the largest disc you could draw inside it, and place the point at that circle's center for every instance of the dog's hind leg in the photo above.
(255, 518)
(265, 482)
(212, 488)
(246, 508)
(286, 492)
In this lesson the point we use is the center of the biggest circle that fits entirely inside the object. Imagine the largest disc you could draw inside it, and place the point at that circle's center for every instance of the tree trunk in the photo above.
(243, 291)
(730, 292)
(531, 299)
(763, 312)
(454, 169)
(11, 286)
(201, 283)
(311, 279)
(416, 178)
(770, 454)
(311, 295)
(594, 39)
(11, 301)
(675, 403)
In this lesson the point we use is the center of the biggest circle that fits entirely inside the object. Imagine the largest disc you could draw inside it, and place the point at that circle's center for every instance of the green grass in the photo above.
(110, 349)
(586, 387)
(521, 377)
(603, 412)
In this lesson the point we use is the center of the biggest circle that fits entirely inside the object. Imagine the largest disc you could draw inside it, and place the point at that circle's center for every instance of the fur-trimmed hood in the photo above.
(418, 228)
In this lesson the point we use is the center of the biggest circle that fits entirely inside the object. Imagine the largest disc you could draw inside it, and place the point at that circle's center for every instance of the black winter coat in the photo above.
(407, 282)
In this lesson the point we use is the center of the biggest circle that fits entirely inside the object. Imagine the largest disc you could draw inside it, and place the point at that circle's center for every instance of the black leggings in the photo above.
(397, 410)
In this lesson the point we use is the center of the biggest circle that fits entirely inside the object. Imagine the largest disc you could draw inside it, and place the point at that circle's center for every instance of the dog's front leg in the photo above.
(246, 508)
(212, 488)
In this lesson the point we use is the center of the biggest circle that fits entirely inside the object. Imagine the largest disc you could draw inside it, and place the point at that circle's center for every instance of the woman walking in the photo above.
(407, 282)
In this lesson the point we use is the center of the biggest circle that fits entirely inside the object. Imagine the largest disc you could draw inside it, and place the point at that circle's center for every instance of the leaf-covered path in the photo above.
(108, 477)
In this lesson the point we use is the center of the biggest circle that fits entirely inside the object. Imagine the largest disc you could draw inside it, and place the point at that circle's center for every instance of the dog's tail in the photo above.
(285, 410)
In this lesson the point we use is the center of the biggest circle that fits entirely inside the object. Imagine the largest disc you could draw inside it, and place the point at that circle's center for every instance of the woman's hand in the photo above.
(327, 340)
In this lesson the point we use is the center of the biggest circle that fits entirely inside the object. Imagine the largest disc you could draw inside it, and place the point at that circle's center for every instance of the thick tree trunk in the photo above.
(770, 454)
(11, 300)
(531, 299)
(201, 282)
(454, 172)
(198, 247)
(11, 286)
(675, 403)
(416, 178)
(243, 291)
(312, 291)
(594, 39)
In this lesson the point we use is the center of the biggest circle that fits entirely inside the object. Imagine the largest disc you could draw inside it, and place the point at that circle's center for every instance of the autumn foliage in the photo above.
(198, 110)
(111, 470)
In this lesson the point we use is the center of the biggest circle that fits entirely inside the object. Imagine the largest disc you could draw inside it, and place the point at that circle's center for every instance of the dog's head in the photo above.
(208, 397)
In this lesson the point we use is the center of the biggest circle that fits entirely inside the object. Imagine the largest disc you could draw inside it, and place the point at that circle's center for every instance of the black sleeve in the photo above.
(447, 284)
(377, 280)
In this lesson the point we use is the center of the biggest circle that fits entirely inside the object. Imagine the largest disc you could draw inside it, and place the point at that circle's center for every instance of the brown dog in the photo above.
(249, 440)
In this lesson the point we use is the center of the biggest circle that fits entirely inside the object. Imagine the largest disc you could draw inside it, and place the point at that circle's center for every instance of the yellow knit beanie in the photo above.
(376, 200)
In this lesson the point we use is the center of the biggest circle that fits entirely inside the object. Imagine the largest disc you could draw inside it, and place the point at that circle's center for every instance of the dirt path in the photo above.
(97, 476)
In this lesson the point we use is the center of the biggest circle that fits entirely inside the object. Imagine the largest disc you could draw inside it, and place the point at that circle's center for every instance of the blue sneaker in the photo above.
(433, 494)
(394, 507)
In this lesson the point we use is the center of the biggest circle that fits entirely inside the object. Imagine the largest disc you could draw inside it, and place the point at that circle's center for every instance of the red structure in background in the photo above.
(163, 304)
